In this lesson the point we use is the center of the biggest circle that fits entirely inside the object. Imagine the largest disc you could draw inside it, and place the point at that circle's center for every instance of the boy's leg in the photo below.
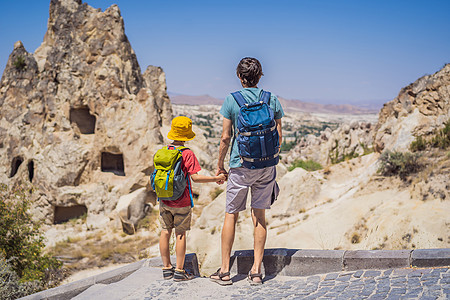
(164, 247)
(180, 248)
(260, 234)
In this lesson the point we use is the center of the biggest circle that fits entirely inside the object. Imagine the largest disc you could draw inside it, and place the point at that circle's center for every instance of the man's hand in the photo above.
(221, 178)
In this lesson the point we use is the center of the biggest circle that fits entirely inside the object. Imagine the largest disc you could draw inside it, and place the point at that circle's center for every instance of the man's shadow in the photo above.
(274, 261)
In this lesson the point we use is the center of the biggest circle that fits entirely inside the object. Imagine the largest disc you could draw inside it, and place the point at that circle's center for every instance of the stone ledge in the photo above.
(430, 257)
(376, 259)
(289, 262)
(293, 262)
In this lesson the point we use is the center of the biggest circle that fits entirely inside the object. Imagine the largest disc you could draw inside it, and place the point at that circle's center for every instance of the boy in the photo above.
(177, 214)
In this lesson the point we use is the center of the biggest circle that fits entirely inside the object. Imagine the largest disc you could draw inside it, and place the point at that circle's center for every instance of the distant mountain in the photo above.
(288, 105)
(298, 105)
(194, 100)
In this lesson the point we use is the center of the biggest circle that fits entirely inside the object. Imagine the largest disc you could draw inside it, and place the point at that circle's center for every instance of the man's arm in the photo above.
(280, 134)
(224, 144)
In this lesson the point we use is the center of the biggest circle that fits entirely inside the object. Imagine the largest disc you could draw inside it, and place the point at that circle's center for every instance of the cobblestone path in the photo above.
(365, 284)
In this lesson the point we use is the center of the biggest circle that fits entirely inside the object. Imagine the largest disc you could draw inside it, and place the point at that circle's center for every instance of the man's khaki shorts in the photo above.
(261, 182)
(175, 217)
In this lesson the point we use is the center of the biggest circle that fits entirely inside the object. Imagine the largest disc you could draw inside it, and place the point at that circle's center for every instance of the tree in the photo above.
(21, 240)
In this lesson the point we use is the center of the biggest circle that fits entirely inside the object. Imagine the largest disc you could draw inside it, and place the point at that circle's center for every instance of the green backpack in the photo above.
(168, 179)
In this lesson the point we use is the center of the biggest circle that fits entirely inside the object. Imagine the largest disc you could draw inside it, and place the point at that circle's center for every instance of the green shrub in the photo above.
(366, 149)
(10, 285)
(336, 157)
(19, 63)
(442, 137)
(399, 163)
(419, 144)
(287, 146)
(21, 241)
(308, 165)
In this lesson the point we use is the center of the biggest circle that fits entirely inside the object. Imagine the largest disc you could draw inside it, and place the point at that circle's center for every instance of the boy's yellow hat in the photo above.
(181, 129)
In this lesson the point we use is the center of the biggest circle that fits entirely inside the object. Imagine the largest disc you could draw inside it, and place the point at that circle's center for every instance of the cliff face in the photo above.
(419, 109)
(77, 118)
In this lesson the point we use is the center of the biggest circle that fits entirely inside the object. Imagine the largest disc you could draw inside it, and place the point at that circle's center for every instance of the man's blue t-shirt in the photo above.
(230, 110)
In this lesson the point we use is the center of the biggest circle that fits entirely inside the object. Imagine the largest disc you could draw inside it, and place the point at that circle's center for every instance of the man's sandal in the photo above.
(221, 281)
(168, 273)
(251, 276)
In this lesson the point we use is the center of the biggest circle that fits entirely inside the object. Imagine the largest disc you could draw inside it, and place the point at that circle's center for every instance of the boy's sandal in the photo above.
(256, 275)
(168, 273)
(221, 275)
(182, 275)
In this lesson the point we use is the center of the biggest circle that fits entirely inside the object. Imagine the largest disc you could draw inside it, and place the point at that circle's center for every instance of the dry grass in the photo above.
(355, 238)
(102, 248)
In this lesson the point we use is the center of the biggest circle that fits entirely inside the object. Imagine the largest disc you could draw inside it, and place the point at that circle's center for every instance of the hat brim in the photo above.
(173, 136)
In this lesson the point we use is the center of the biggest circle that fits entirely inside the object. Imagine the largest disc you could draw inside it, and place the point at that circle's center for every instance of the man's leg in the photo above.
(228, 231)
(164, 247)
(260, 234)
(180, 248)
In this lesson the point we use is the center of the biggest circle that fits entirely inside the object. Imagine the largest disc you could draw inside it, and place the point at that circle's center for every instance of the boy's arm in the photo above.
(224, 144)
(202, 178)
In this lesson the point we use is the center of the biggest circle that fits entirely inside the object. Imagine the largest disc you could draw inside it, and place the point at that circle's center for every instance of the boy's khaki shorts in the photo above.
(175, 217)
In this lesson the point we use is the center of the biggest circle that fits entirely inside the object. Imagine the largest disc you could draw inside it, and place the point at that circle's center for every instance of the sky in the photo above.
(323, 51)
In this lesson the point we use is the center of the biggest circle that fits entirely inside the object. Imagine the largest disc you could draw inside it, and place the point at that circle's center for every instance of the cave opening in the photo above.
(112, 163)
(30, 170)
(83, 118)
(15, 164)
(65, 213)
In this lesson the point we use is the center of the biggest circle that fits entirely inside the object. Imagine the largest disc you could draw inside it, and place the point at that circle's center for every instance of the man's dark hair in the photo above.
(250, 71)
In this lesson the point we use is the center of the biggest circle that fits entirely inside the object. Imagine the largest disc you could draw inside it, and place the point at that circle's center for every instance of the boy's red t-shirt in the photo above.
(189, 166)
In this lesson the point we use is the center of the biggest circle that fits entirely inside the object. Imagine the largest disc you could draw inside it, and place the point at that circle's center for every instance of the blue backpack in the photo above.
(256, 132)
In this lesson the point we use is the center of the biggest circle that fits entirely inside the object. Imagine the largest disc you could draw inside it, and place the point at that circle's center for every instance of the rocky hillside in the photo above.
(78, 118)
(418, 110)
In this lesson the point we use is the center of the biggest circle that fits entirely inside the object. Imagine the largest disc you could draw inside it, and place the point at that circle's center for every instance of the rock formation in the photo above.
(78, 119)
(349, 140)
(419, 109)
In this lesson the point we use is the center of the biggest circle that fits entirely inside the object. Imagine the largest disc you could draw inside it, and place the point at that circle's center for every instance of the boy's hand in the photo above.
(221, 178)
(223, 172)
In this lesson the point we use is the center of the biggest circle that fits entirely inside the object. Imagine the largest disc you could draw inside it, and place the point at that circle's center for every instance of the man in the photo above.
(240, 179)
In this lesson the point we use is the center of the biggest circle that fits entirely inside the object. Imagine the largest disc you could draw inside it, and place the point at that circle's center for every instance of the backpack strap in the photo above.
(181, 149)
(265, 97)
(190, 190)
(239, 98)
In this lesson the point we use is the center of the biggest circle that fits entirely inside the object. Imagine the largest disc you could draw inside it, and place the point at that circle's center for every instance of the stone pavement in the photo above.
(407, 283)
